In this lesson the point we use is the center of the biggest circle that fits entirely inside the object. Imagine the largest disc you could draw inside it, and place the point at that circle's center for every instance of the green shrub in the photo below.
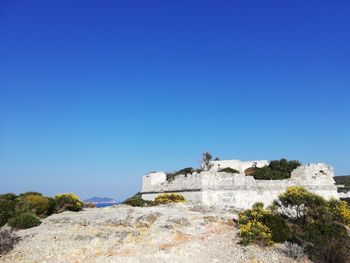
(340, 211)
(12, 206)
(255, 231)
(304, 218)
(7, 207)
(19, 210)
(137, 200)
(52, 208)
(25, 210)
(284, 166)
(8, 197)
(262, 226)
(276, 170)
(280, 231)
(24, 221)
(30, 193)
(257, 213)
(70, 202)
(169, 198)
(319, 224)
(344, 181)
(35, 203)
(346, 199)
(326, 242)
(7, 210)
(307, 205)
(188, 170)
(229, 170)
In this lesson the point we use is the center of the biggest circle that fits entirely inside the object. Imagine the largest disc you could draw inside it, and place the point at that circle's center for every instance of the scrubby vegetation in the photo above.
(7, 208)
(346, 199)
(262, 226)
(169, 198)
(24, 220)
(344, 181)
(34, 202)
(7, 241)
(52, 206)
(276, 170)
(303, 218)
(188, 170)
(26, 210)
(69, 202)
(229, 170)
(137, 200)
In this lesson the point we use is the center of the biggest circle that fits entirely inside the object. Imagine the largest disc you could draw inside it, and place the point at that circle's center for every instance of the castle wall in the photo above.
(240, 198)
(152, 180)
(180, 183)
(241, 191)
(240, 166)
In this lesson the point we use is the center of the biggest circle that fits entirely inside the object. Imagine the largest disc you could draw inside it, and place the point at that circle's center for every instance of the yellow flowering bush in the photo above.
(37, 203)
(256, 213)
(322, 225)
(340, 211)
(262, 226)
(255, 231)
(69, 202)
(307, 206)
(169, 198)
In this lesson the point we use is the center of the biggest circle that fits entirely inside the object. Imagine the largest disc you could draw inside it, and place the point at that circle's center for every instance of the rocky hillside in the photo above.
(172, 233)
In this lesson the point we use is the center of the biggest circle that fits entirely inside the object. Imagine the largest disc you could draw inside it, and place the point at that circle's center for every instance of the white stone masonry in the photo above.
(238, 190)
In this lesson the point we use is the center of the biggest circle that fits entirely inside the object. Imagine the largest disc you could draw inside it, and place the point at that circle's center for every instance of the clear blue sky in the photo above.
(94, 94)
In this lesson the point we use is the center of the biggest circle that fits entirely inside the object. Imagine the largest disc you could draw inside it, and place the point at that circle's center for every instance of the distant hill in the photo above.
(96, 200)
(344, 181)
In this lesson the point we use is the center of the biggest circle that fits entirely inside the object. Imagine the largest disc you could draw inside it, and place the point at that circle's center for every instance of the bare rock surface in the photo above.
(172, 233)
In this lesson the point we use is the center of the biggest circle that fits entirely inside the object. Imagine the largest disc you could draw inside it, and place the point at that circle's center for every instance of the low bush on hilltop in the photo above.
(276, 170)
(137, 200)
(169, 198)
(36, 203)
(304, 218)
(262, 226)
(185, 171)
(26, 210)
(24, 220)
(52, 206)
(7, 208)
(70, 202)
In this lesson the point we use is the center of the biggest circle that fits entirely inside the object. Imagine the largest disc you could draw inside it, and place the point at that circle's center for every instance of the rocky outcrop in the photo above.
(173, 233)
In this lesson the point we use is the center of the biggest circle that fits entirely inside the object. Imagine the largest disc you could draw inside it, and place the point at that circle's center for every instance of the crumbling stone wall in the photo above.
(238, 190)
(238, 165)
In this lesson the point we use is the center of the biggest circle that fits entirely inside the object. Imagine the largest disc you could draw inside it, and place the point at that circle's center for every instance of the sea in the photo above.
(100, 205)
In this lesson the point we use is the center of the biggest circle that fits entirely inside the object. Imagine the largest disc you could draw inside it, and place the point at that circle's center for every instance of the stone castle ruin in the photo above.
(216, 188)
